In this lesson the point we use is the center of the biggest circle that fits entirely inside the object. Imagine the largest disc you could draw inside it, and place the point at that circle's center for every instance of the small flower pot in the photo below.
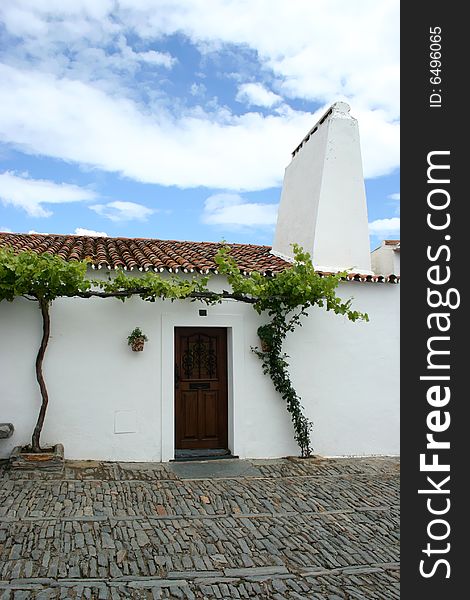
(137, 344)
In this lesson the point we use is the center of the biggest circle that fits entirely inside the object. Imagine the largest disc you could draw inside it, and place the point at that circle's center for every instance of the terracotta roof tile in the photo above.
(145, 254)
(159, 255)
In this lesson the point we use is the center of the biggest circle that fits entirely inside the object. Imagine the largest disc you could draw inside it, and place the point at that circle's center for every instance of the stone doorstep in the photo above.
(44, 461)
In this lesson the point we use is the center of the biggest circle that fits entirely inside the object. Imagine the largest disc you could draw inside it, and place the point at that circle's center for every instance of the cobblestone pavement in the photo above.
(316, 529)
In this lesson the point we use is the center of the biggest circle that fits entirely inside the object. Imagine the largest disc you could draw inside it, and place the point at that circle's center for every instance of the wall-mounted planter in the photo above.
(136, 339)
(137, 344)
(265, 335)
(265, 347)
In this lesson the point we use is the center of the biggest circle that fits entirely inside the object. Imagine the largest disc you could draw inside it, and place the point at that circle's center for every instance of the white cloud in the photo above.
(125, 58)
(162, 59)
(384, 227)
(31, 194)
(233, 211)
(255, 94)
(74, 121)
(79, 103)
(396, 200)
(90, 232)
(380, 142)
(5, 229)
(197, 89)
(310, 46)
(123, 211)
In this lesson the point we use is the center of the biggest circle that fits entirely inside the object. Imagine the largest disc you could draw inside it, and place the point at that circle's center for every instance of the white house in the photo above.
(197, 385)
(386, 258)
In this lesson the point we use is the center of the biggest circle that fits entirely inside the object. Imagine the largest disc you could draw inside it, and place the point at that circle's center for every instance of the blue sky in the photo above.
(175, 119)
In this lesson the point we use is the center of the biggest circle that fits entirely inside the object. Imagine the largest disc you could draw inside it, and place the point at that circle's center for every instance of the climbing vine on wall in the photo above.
(284, 299)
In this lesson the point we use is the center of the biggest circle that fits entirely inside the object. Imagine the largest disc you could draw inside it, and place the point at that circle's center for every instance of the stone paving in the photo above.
(321, 529)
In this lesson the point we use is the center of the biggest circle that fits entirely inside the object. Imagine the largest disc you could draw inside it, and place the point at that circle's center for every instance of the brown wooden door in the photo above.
(200, 387)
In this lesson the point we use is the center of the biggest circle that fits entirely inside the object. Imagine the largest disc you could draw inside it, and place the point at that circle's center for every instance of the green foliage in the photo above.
(135, 334)
(40, 276)
(285, 298)
(151, 286)
(299, 286)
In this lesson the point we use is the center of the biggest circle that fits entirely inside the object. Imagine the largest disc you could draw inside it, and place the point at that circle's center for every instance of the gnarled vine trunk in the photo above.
(46, 326)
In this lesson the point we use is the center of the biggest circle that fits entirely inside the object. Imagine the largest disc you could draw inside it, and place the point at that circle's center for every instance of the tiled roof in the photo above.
(158, 255)
(364, 278)
(145, 254)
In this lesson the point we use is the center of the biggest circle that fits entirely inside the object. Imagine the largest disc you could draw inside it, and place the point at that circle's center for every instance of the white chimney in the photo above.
(323, 203)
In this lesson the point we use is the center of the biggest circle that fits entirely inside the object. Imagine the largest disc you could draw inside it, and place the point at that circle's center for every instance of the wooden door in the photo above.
(200, 387)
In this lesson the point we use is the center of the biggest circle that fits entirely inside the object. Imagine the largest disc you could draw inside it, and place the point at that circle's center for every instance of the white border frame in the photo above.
(235, 376)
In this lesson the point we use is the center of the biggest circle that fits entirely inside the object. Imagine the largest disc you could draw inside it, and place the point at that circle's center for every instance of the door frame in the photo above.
(235, 374)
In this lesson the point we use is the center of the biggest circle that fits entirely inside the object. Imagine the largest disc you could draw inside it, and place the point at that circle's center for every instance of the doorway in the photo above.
(201, 395)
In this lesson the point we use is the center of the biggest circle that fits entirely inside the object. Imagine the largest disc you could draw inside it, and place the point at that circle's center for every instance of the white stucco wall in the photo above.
(347, 375)
(386, 260)
(396, 262)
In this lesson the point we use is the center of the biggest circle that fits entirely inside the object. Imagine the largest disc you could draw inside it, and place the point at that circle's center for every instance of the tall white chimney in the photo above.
(323, 203)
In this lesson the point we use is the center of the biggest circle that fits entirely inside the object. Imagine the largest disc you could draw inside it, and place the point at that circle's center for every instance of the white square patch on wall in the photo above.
(125, 421)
